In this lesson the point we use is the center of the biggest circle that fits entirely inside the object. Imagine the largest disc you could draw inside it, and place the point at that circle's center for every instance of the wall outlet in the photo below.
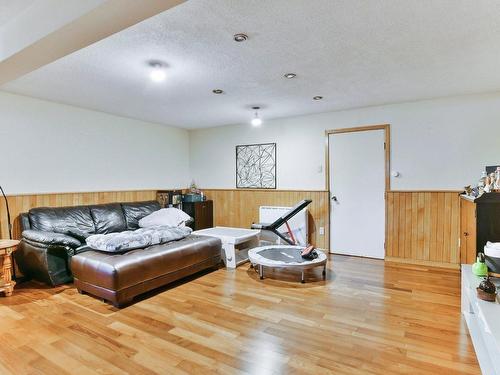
(321, 231)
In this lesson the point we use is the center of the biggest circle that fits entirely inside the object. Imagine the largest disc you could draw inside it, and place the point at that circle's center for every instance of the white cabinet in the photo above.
(483, 321)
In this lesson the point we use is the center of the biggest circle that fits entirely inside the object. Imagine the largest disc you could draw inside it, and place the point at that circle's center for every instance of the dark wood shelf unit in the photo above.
(479, 223)
(201, 212)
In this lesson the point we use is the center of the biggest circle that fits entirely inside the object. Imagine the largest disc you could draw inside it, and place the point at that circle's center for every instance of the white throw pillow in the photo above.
(171, 217)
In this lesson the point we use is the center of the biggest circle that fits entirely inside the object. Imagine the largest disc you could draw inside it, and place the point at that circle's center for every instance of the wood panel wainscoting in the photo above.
(240, 208)
(423, 227)
(23, 203)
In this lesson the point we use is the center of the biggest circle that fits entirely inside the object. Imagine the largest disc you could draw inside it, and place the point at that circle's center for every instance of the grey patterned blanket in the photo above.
(140, 238)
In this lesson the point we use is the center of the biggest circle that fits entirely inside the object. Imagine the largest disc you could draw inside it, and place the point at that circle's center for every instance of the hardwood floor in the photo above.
(368, 317)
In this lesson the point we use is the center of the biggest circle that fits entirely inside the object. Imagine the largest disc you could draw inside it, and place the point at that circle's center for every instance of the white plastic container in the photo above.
(492, 255)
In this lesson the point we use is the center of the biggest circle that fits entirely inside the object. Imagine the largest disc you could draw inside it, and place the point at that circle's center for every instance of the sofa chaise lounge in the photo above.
(53, 251)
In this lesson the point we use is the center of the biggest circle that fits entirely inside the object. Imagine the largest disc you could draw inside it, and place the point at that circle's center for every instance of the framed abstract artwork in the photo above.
(256, 166)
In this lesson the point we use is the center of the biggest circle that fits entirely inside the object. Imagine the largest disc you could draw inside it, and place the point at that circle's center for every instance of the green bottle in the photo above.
(479, 268)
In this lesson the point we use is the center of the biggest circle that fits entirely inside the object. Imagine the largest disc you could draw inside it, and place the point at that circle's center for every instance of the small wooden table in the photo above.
(7, 247)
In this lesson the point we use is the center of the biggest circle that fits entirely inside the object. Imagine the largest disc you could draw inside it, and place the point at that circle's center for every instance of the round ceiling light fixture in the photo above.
(158, 73)
(317, 97)
(290, 75)
(240, 37)
(256, 121)
(218, 91)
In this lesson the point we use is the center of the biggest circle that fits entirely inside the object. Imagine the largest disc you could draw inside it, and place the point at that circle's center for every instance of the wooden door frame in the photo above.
(387, 142)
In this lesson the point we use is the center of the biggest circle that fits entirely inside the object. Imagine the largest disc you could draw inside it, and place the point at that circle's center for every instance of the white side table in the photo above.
(235, 243)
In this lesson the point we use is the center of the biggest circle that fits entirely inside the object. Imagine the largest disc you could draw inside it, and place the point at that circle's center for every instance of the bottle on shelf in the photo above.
(482, 180)
(481, 186)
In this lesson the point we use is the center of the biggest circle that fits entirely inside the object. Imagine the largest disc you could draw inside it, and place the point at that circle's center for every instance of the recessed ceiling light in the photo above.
(318, 97)
(240, 37)
(290, 75)
(158, 73)
(256, 121)
(218, 91)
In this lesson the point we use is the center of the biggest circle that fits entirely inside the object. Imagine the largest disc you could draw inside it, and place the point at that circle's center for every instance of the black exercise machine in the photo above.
(273, 227)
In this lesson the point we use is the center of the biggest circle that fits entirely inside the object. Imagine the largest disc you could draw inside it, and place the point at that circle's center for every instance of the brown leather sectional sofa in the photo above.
(118, 278)
(53, 250)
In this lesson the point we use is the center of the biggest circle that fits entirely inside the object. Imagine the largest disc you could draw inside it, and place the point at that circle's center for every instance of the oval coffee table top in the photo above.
(283, 256)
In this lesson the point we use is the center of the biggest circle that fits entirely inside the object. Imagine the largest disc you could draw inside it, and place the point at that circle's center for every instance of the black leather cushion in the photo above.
(50, 238)
(137, 210)
(62, 219)
(108, 218)
(78, 234)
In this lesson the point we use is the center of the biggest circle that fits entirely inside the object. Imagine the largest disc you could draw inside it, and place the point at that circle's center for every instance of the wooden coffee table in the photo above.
(7, 247)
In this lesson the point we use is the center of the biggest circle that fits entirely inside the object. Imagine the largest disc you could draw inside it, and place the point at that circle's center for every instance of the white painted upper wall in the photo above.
(50, 147)
(436, 144)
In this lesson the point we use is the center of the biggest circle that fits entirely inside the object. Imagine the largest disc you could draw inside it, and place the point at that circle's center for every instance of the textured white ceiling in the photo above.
(10, 9)
(354, 53)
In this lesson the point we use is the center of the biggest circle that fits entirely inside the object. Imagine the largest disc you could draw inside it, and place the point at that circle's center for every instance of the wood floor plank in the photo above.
(368, 317)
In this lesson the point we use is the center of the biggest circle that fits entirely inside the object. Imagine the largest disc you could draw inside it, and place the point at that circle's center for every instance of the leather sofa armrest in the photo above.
(25, 221)
(51, 238)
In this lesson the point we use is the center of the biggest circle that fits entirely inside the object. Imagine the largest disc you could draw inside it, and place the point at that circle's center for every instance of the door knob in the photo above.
(334, 198)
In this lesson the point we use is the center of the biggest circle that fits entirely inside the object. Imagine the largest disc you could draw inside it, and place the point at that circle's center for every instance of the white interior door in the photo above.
(357, 192)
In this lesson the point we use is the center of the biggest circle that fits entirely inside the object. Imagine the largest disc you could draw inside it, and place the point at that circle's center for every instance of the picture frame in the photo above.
(491, 168)
(256, 166)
